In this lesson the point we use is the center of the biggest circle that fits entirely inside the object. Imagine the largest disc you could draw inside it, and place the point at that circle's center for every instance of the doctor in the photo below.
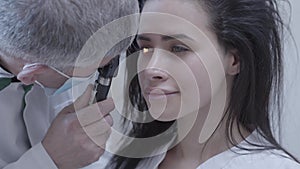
(39, 45)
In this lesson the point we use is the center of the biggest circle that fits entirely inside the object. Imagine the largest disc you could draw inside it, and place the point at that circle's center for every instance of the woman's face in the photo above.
(181, 66)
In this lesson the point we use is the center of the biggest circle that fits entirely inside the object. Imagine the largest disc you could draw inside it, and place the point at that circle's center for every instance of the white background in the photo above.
(291, 113)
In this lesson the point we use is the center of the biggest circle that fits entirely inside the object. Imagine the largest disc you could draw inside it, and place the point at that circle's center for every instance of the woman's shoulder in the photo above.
(263, 159)
(248, 156)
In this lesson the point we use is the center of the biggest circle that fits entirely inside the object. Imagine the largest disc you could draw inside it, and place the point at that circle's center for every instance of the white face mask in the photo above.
(74, 81)
(71, 82)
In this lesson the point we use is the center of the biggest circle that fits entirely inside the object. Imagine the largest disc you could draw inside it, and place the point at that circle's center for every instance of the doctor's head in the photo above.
(54, 33)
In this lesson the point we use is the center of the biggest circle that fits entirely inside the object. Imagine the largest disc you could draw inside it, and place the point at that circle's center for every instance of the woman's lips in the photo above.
(158, 92)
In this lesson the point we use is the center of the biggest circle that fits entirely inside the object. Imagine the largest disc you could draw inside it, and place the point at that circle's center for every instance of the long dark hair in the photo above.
(254, 28)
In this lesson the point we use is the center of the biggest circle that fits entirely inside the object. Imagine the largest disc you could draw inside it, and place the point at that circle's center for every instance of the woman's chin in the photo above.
(164, 116)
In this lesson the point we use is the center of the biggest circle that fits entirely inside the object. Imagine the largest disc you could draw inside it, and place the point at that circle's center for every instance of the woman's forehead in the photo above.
(187, 9)
(170, 17)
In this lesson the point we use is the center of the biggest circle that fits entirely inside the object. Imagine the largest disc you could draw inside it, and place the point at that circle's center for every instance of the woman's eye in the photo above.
(146, 50)
(177, 49)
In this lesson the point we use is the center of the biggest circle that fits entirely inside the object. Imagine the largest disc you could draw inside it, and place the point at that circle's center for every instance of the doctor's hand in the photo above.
(77, 136)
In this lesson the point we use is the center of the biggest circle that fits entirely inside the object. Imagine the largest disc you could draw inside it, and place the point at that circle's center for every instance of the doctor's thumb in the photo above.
(81, 102)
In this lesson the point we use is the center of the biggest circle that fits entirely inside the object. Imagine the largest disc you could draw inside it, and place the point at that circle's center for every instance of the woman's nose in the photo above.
(157, 65)
(155, 74)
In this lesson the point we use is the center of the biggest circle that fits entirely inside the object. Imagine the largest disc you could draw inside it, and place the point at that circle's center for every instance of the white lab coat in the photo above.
(21, 133)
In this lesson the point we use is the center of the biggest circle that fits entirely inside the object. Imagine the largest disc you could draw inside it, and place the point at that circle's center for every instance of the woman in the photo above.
(207, 71)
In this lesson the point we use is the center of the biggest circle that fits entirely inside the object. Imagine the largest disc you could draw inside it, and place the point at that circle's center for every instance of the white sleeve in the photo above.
(34, 158)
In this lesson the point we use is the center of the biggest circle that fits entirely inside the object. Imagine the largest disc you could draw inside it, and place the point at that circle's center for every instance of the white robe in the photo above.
(235, 158)
(21, 133)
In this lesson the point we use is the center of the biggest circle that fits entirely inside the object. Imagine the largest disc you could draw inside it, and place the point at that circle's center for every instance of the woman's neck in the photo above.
(190, 146)
(191, 150)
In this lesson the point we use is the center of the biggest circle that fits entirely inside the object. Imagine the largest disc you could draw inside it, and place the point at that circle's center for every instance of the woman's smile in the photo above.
(159, 93)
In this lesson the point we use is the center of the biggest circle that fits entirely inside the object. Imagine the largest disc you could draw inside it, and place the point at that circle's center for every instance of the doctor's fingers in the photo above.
(72, 125)
(101, 139)
(96, 112)
(99, 127)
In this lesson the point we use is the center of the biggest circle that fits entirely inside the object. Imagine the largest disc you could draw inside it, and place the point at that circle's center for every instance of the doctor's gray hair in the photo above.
(53, 32)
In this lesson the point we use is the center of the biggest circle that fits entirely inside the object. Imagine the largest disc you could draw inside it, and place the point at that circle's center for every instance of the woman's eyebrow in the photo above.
(166, 37)
(143, 38)
(176, 36)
